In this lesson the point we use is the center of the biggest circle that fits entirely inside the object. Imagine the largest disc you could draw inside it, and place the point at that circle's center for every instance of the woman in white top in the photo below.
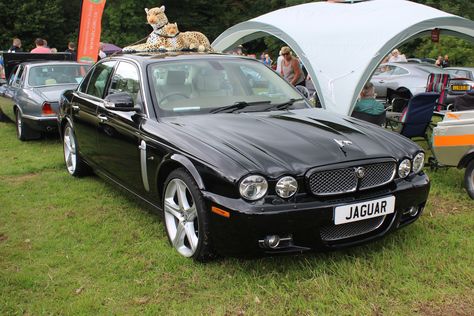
(397, 57)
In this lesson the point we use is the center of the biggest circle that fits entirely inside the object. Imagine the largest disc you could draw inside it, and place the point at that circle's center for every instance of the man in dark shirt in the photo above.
(464, 102)
(71, 49)
(16, 47)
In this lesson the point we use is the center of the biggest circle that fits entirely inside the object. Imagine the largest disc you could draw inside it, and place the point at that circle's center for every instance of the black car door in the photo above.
(119, 132)
(85, 102)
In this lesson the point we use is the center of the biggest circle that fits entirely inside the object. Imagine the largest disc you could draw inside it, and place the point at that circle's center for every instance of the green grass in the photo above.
(79, 246)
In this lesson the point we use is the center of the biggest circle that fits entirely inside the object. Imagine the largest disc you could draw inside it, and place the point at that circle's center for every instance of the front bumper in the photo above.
(307, 223)
(41, 123)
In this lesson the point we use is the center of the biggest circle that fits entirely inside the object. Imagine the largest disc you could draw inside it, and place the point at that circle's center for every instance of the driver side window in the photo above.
(99, 79)
(126, 79)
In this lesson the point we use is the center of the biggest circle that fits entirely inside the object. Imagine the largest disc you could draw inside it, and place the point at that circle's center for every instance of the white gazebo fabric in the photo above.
(341, 44)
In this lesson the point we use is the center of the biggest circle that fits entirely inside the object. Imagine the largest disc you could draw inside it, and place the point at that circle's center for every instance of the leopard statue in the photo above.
(176, 41)
(166, 36)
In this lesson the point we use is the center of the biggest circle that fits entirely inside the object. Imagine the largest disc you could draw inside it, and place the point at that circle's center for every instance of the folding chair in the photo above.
(438, 83)
(415, 120)
(374, 119)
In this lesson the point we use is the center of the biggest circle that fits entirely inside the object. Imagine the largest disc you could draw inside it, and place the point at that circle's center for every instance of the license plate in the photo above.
(360, 211)
(459, 88)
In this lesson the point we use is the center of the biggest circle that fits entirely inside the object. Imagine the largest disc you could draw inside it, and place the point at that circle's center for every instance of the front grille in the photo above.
(343, 231)
(333, 181)
(377, 174)
(345, 180)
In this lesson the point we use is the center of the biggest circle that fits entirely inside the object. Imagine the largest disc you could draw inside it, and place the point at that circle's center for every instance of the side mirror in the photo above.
(121, 101)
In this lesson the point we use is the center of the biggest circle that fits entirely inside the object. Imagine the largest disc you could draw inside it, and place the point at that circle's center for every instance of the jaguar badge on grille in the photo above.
(360, 172)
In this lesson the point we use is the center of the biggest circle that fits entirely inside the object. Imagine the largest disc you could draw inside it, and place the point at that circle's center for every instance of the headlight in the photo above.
(286, 187)
(404, 168)
(418, 162)
(253, 187)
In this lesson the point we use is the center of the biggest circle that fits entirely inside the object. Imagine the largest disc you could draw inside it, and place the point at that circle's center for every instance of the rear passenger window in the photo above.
(99, 79)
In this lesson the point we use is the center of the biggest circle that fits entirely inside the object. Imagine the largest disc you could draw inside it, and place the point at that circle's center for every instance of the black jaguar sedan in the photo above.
(235, 159)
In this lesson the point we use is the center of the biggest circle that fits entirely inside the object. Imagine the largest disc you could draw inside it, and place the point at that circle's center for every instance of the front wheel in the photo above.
(186, 220)
(74, 163)
(469, 179)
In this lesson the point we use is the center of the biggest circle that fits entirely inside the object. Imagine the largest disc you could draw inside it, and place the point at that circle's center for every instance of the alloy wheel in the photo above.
(70, 150)
(181, 217)
(19, 124)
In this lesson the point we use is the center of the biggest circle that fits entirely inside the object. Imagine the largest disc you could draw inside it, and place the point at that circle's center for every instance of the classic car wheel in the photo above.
(185, 218)
(469, 179)
(74, 163)
(23, 132)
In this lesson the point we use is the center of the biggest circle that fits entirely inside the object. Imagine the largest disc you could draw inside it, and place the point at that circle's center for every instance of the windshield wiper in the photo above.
(237, 106)
(284, 105)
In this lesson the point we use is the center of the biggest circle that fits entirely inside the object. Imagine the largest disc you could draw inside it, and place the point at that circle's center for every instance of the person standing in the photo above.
(16, 46)
(71, 48)
(40, 47)
(445, 62)
(101, 52)
(439, 61)
(279, 60)
(291, 69)
(267, 60)
(397, 57)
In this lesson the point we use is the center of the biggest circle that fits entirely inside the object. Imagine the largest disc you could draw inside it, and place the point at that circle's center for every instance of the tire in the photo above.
(75, 165)
(469, 179)
(23, 132)
(184, 209)
(3, 118)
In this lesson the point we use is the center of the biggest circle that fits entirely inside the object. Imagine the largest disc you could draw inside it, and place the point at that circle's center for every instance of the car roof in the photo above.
(150, 57)
(50, 62)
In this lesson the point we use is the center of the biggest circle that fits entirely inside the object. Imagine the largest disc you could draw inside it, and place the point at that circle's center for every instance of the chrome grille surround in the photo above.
(343, 231)
(333, 180)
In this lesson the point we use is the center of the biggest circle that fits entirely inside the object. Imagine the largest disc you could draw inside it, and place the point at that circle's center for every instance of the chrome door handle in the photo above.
(75, 108)
(381, 81)
(102, 118)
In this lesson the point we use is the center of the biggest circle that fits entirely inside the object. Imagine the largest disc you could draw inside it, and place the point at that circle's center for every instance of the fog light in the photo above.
(272, 241)
(412, 211)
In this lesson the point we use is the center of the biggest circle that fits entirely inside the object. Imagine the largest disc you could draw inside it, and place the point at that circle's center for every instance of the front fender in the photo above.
(468, 156)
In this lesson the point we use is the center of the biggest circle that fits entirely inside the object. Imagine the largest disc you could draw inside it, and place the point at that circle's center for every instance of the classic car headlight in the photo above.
(286, 187)
(253, 187)
(418, 162)
(404, 168)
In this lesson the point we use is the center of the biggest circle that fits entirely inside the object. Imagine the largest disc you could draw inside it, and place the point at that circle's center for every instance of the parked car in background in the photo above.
(402, 76)
(30, 97)
(237, 165)
(461, 72)
(453, 145)
(422, 60)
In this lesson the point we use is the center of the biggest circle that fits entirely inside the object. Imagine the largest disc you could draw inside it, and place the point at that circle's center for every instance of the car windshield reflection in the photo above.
(208, 85)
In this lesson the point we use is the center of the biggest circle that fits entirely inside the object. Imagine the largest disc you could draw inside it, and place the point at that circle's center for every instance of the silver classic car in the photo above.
(30, 96)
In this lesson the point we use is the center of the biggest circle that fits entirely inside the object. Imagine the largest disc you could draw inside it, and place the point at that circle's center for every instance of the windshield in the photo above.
(202, 86)
(56, 74)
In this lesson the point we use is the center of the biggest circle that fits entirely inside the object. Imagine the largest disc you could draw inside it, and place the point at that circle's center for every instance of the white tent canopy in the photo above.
(341, 44)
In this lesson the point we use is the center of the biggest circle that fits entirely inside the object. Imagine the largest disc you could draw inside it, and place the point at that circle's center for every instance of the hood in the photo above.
(52, 93)
(291, 142)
